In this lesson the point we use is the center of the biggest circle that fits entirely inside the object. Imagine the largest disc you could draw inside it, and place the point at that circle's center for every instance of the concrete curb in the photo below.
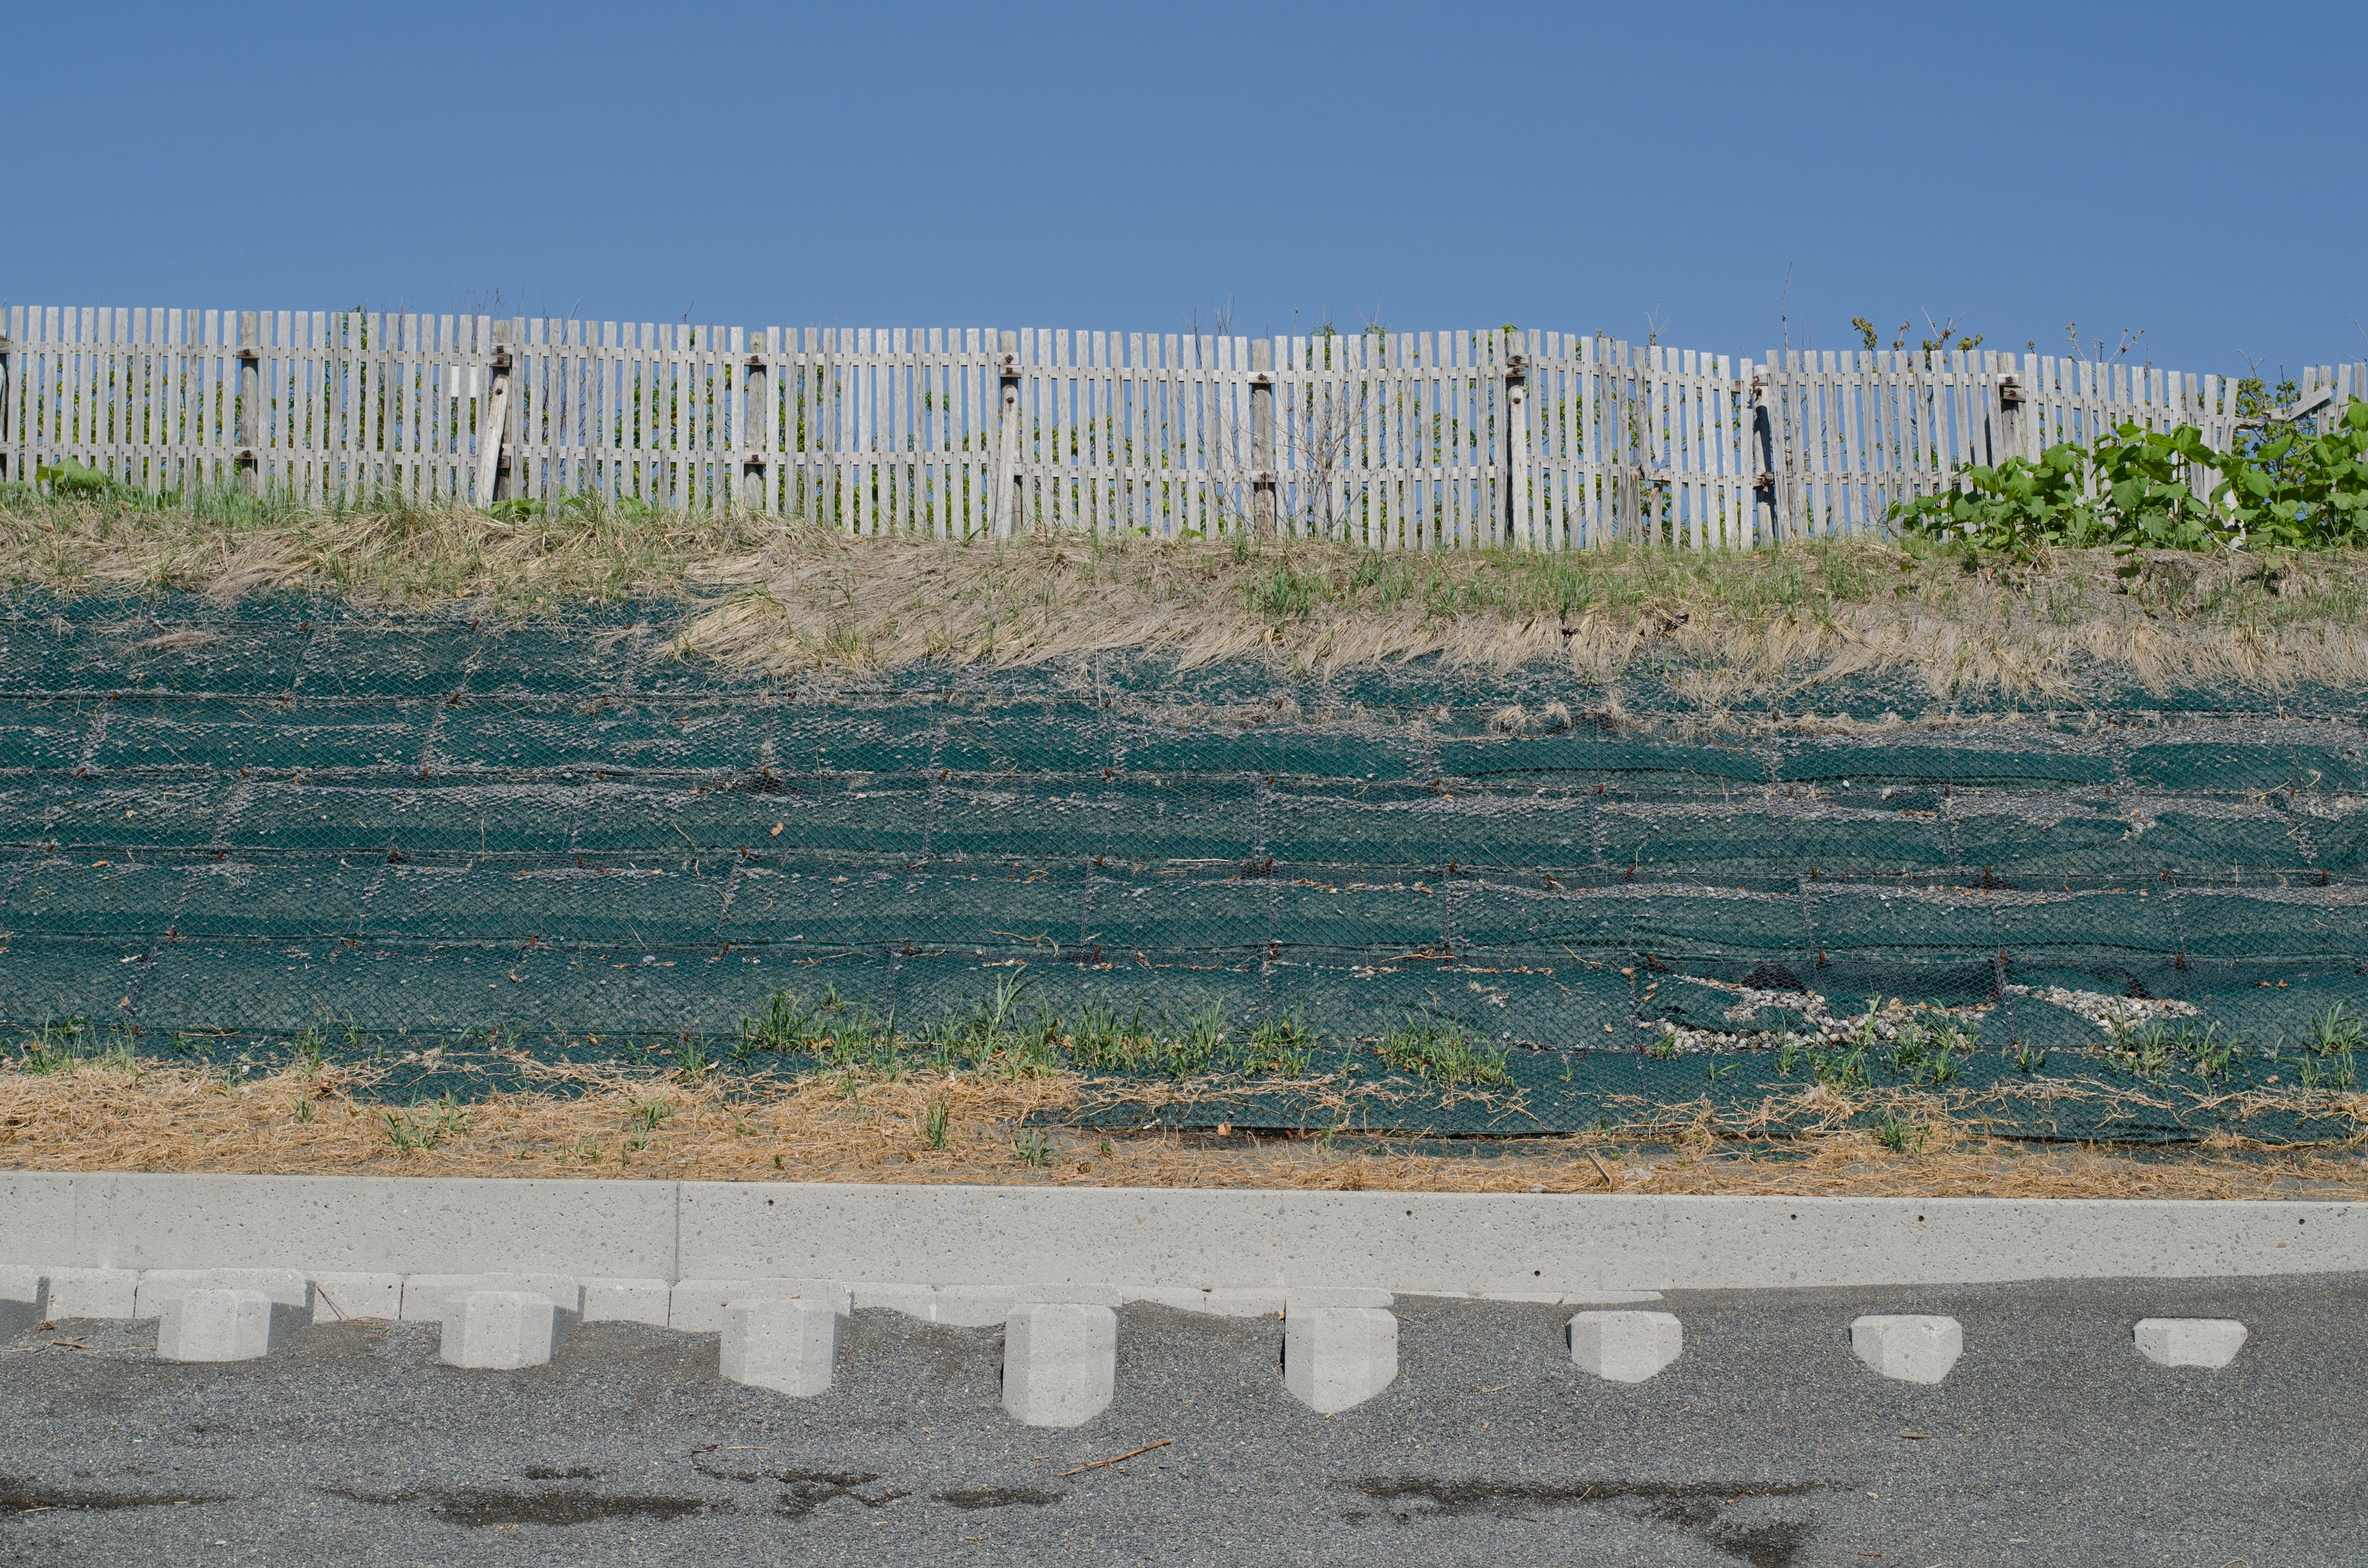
(1035, 1240)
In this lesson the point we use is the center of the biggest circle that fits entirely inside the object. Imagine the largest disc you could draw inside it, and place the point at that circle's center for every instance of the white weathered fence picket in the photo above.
(1536, 440)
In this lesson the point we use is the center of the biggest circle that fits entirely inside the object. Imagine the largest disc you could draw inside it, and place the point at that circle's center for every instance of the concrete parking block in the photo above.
(957, 1306)
(1310, 1297)
(1625, 1348)
(790, 1346)
(159, 1287)
(93, 1292)
(627, 1301)
(424, 1295)
(24, 1300)
(503, 1330)
(1910, 1349)
(347, 1298)
(1060, 1362)
(2190, 1341)
(215, 1324)
(1337, 1358)
(698, 1306)
(1087, 1295)
(1181, 1297)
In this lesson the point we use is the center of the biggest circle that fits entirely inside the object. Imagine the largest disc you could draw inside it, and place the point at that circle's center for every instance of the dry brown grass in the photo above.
(102, 1117)
(776, 595)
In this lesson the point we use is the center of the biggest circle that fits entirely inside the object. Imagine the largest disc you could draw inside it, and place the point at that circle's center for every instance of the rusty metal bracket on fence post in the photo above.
(494, 422)
(1262, 476)
(250, 401)
(756, 425)
(1520, 516)
(1010, 486)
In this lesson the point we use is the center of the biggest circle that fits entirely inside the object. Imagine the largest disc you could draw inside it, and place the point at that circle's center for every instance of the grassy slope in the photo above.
(776, 595)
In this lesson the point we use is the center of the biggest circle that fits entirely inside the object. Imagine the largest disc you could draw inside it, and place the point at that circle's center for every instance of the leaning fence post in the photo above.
(1262, 438)
(493, 420)
(755, 425)
(1520, 516)
(250, 399)
(1010, 487)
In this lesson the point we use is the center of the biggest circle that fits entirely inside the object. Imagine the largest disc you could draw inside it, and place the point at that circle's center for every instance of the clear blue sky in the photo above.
(2192, 171)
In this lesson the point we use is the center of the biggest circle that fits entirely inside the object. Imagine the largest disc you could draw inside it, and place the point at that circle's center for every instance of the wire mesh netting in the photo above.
(449, 840)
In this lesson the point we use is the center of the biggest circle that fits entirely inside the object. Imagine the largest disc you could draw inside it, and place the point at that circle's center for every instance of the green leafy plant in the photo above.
(937, 1123)
(1032, 1149)
(1842, 1070)
(2145, 1052)
(1443, 1054)
(2014, 509)
(417, 1131)
(2281, 484)
(1901, 1136)
(71, 480)
(2296, 485)
(1283, 1047)
(2335, 1031)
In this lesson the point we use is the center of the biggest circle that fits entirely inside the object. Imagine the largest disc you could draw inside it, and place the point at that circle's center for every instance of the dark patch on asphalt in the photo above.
(1000, 1497)
(19, 1495)
(807, 1490)
(573, 1472)
(810, 1489)
(1694, 1507)
(1762, 1546)
(474, 1507)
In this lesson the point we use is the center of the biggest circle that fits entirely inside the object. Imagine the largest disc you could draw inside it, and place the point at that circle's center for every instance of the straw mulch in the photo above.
(846, 1128)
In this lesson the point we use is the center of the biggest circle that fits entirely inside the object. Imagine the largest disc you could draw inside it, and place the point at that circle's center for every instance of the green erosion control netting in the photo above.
(447, 843)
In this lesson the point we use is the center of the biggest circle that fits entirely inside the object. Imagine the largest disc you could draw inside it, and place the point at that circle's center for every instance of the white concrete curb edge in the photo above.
(1502, 1247)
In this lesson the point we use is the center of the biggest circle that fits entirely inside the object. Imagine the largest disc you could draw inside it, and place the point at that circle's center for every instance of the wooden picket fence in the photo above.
(1397, 440)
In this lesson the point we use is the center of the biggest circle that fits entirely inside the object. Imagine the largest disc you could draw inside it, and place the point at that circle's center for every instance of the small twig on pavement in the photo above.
(1128, 1455)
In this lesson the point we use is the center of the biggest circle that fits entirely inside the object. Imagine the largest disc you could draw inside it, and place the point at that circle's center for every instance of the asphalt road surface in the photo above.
(1767, 1444)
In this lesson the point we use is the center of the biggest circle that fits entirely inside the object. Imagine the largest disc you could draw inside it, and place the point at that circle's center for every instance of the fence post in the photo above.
(756, 425)
(1262, 438)
(493, 421)
(250, 400)
(2009, 407)
(1010, 487)
(7, 406)
(1763, 440)
(1520, 516)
